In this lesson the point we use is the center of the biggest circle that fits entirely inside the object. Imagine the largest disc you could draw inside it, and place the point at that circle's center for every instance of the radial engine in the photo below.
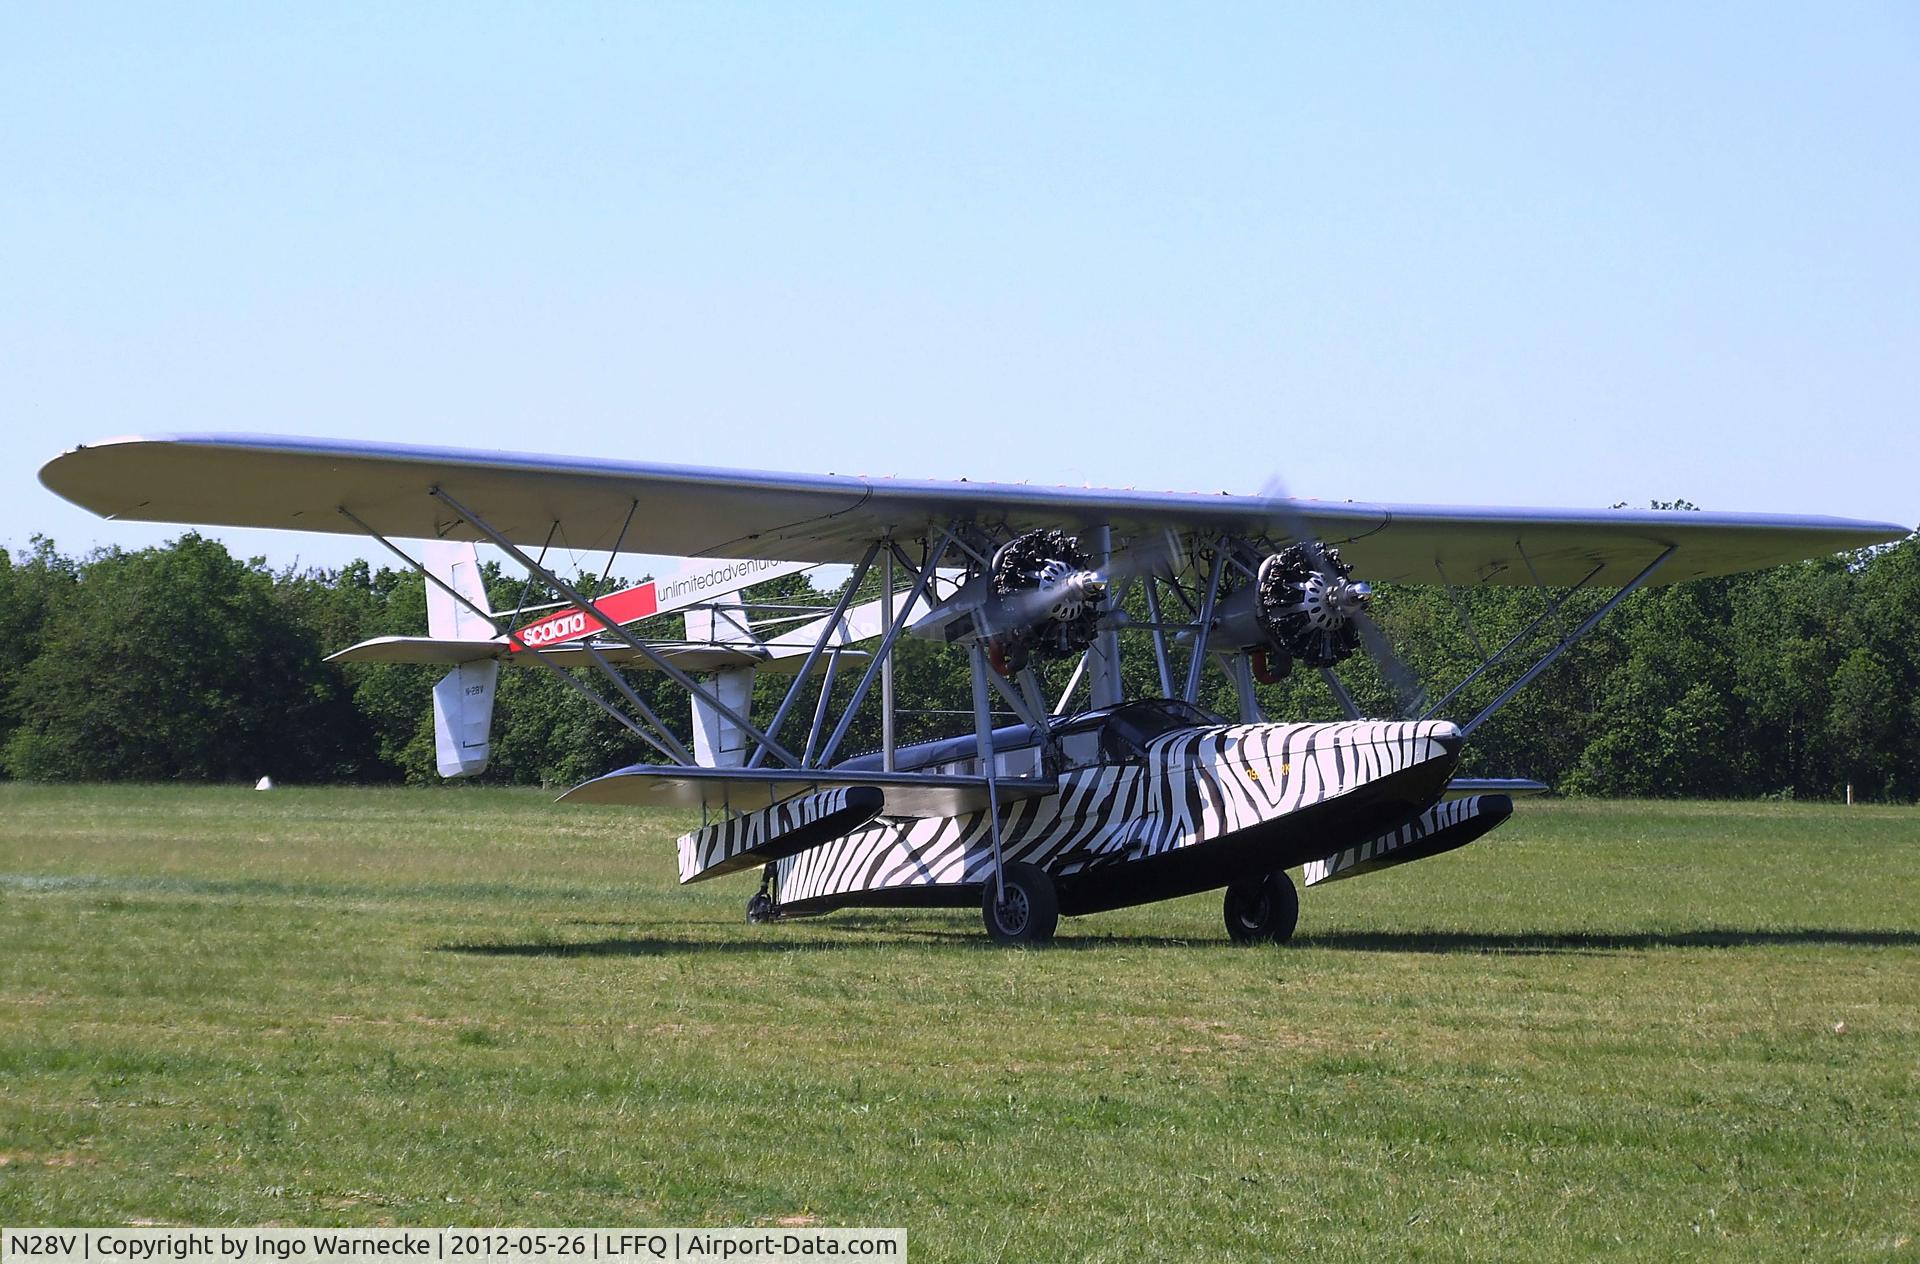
(1295, 611)
(1037, 598)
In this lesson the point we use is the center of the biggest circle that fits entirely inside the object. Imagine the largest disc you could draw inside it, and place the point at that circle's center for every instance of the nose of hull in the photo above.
(1287, 766)
(1249, 799)
(1414, 742)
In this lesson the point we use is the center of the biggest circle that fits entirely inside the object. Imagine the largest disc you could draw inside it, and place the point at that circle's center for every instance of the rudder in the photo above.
(463, 700)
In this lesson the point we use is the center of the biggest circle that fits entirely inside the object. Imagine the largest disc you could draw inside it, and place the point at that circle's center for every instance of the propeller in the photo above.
(1333, 604)
(1057, 587)
(1047, 597)
(1042, 595)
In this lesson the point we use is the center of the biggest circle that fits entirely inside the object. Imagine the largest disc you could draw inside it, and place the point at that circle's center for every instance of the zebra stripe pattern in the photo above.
(1195, 785)
(705, 853)
(1378, 853)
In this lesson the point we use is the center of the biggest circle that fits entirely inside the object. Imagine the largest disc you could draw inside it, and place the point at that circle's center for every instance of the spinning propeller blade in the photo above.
(1409, 694)
(1156, 554)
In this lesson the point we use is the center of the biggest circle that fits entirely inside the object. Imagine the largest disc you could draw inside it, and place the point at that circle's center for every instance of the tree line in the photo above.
(183, 662)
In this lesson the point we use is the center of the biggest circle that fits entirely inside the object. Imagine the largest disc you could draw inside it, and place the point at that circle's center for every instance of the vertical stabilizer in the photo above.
(457, 565)
(717, 741)
(463, 700)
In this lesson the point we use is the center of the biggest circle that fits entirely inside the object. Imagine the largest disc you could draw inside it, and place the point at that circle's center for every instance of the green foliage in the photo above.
(178, 662)
(183, 662)
(30, 589)
(393, 702)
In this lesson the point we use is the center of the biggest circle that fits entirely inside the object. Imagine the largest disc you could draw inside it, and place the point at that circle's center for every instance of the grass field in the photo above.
(1663, 1031)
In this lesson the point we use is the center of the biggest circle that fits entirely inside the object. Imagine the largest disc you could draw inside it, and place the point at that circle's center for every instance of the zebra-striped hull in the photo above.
(1207, 806)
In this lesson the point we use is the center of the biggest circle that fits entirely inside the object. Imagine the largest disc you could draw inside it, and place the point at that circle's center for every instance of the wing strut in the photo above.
(983, 740)
(670, 746)
(1568, 642)
(1460, 606)
(920, 583)
(813, 655)
(1348, 707)
(1554, 606)
(886, 667)
(1205, 624)
(819, 709)
(692, 686)
(1073, 683)
(1159, 636)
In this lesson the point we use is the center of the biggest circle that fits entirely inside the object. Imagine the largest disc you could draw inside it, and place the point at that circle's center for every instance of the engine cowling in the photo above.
(1036, 596)
(1301, 612)
(1046, 599)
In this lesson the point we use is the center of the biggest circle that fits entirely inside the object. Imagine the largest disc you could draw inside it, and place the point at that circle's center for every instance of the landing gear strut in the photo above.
(1263, 909)
(1030, 912)
(760, 906)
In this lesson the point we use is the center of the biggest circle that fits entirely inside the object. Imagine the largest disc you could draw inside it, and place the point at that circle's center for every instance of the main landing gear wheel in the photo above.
(760, 908)
(1030, 912)
(1262, 910)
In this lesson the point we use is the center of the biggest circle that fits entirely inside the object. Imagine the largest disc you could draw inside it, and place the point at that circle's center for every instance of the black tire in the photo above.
(1262, 910)
(760, 908)
(1032, 910)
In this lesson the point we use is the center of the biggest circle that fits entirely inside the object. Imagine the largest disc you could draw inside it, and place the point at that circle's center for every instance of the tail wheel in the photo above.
(1028, 913)
(1262, 910)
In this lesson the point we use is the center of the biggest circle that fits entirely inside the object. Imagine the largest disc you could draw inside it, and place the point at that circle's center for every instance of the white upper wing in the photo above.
(692, 511)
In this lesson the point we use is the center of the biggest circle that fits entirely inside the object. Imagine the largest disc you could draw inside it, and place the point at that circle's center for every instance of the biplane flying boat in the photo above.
(1072, 807)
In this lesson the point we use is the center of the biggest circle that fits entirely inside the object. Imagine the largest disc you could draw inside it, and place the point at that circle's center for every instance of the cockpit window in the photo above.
(1132, 726)
(1121, 734)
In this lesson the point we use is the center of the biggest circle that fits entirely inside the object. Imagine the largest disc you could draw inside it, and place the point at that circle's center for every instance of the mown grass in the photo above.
(1664, 1031)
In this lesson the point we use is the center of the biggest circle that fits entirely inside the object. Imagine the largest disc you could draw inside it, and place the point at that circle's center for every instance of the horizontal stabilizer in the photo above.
(417, 649)
(785, 829)
(740, 789)
(686, 655)
(1440, 828)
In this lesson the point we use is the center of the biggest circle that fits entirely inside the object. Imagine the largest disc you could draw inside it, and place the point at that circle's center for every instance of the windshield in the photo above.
(1138, 723)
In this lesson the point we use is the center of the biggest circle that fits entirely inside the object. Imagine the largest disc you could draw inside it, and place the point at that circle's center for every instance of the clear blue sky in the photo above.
(1526, 255)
